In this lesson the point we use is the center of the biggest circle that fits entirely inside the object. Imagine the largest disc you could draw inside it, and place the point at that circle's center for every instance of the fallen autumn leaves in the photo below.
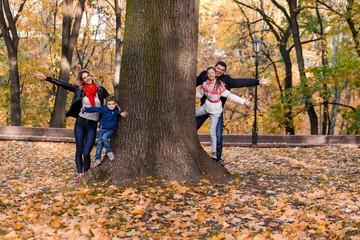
(278, 193)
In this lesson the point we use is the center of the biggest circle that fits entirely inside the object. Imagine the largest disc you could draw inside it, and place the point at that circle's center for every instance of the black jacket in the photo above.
(229, 81)
(76, 103)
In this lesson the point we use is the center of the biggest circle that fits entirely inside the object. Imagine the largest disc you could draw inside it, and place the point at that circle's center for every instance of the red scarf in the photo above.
(90, 92)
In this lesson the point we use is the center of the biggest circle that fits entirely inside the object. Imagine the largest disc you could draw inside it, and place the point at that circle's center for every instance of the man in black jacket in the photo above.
(230, 82)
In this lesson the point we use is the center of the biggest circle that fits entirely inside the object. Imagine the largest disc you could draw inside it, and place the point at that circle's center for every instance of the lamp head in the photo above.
(256, 43)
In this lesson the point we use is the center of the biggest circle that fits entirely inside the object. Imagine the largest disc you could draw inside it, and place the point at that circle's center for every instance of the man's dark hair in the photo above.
(110, 98)
(222, 63)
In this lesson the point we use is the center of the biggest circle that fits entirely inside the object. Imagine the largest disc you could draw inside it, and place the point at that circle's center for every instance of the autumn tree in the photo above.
(294, 11)
(157, 88)
(70, 32)
(100, 41)
(11, 39)
(282, 34)
(348, 12)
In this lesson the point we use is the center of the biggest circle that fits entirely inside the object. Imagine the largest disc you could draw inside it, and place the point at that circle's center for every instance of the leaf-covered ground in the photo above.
(277, 193)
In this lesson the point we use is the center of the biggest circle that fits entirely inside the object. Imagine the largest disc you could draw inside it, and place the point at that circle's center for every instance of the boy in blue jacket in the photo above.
(108, 124)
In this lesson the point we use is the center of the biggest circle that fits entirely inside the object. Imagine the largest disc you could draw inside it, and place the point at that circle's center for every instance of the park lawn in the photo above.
(276, 193)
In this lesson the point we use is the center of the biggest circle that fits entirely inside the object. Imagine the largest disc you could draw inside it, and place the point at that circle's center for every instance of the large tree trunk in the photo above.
(70, 33)
(157, 87)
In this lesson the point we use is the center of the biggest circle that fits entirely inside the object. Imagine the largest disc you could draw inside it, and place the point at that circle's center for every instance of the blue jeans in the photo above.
(219, 129)
(103, 142)
(85, 134)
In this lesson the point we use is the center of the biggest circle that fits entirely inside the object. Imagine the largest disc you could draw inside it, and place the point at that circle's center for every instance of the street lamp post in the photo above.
(256, 43)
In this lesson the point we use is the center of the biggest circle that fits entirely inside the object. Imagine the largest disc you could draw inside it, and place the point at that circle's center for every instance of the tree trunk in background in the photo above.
(15, 107)
(337, 90)
(157, 88)
(325, 124)
(11, 39)
(282, 35)
(334, 112)
(294, 11)
(118, 44)
(70, 33)
(285, 53)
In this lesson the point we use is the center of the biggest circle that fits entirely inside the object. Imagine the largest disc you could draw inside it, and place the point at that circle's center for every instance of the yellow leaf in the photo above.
(200, 217)
(260, 237)
(127, 192)
(17, 226)
(112, 187)
(205, 181)
(320, 229)
(55, 223)
(218, 237)
(216, 200)
(237, 234)
(139, 210)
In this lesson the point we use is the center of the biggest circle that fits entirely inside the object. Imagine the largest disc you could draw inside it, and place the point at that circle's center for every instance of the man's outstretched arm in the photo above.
(246, 82)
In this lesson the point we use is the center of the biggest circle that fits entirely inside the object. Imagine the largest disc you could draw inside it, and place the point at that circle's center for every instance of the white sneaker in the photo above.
(213, 155)
(111, 156)
(97, 162)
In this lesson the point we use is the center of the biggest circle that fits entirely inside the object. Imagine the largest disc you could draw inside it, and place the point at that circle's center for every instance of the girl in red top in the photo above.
(214, 89)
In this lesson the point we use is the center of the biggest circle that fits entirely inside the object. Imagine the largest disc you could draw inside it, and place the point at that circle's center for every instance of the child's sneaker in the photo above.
(222, 163)
(111, 156)
(97, 162)
(213, 155)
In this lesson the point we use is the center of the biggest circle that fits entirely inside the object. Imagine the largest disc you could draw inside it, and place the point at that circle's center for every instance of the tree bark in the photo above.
(157, 88)
(70, 33)
(118, 45)
(294, 11)
(11, 39)
(337, 95)
(325, 122)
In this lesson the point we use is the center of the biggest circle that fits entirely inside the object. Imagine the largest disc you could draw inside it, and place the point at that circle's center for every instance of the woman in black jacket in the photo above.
(86, 94)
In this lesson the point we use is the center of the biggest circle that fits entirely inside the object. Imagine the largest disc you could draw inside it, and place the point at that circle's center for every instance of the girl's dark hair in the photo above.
(211, 67)
(218, 82)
